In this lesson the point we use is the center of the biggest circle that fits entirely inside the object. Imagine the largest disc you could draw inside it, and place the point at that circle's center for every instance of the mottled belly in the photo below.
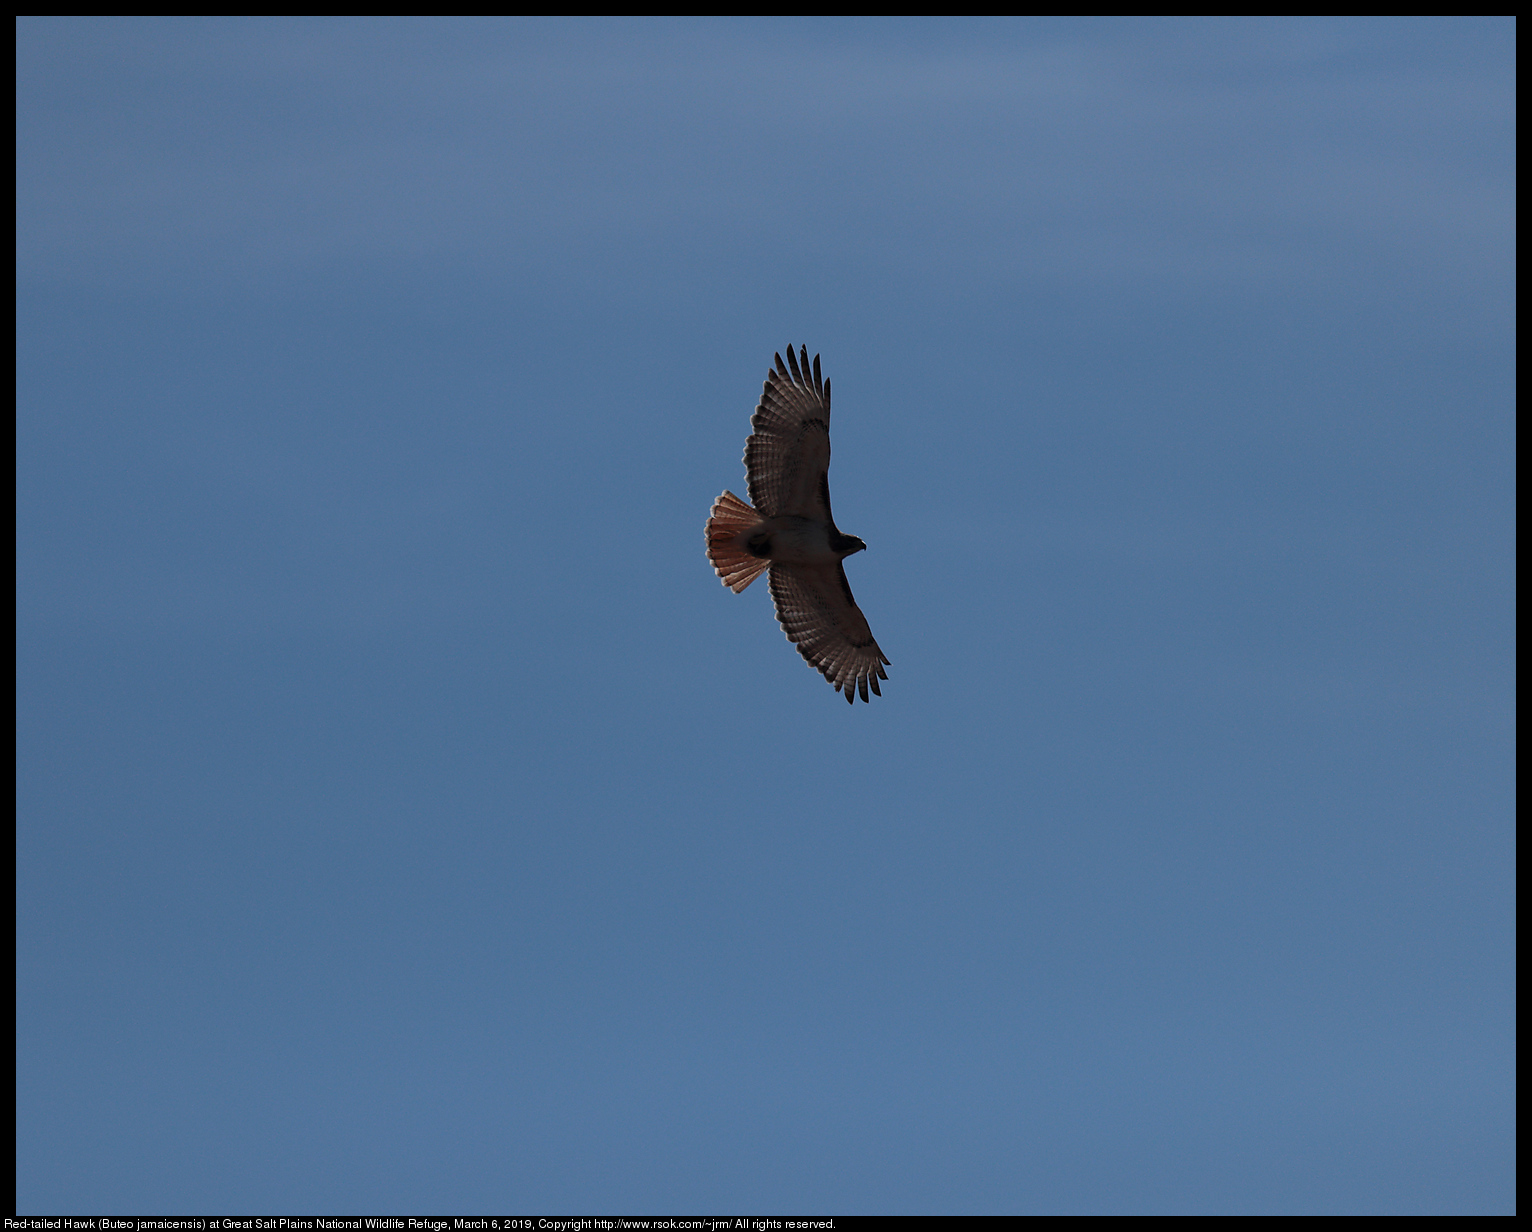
(793, 541)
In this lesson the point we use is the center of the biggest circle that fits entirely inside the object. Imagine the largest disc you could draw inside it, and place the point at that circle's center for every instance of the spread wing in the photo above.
(787, 457)
(817, 612)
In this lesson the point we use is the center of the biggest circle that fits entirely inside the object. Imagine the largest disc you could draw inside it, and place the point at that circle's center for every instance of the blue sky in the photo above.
(408, 819)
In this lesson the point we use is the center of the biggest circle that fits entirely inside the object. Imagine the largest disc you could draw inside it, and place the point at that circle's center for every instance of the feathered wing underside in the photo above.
(787, 457)
(818, 614)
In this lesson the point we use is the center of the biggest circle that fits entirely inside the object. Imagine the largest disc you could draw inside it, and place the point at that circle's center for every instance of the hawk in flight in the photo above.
(789, 530)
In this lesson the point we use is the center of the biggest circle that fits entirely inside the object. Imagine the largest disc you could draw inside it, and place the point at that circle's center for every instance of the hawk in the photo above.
(790, 531)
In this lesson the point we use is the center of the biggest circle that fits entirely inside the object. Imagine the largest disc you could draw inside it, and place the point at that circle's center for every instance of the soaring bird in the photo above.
(789, 530)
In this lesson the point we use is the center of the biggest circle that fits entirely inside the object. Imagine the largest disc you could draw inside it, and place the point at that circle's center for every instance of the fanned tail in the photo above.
(731, 518)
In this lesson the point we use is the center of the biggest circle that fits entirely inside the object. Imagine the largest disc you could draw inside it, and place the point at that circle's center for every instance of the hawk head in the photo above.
(847, 545)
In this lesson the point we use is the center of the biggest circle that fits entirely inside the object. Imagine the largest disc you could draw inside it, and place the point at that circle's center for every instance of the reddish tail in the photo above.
(726, 529)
